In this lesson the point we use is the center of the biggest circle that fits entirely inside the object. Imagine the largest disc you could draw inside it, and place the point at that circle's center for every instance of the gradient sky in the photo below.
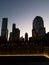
(22, 13)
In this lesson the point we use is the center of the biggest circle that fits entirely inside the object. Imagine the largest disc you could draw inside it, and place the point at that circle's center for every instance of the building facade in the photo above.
(38, 27)
(13, 27)
(15, 34)
(26, 36)
(4, 29)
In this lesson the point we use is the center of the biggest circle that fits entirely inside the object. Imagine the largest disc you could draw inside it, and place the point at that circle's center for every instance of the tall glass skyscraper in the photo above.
(4, 30)
(38, 27)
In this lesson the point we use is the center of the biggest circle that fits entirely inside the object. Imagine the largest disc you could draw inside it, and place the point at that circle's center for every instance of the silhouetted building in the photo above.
(11, 37)
(22, 39)
(13, 27)
(26, 37)
(30, 39)
(4, 30)
(38, 30)
(15, 34)
(46, 36)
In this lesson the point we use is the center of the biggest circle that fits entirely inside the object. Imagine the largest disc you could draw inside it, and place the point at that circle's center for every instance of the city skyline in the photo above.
(18, 28)
(38, 29)
(22, 13)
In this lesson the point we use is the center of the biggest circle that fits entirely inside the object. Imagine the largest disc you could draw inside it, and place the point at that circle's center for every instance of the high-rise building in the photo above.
(38, 27)
(13, 27)
(4, 30)
(15, 34)
(21, 39)
(26, 36)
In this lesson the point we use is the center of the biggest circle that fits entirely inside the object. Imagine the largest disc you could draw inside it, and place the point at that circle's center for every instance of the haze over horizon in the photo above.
(22, 13)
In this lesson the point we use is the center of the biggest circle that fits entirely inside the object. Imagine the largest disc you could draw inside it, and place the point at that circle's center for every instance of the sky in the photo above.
(22, 13)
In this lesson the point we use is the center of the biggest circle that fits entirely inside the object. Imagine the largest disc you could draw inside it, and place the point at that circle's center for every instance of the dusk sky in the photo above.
(22, 13)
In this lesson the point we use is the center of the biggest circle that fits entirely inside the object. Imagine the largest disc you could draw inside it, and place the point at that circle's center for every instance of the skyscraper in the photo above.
(15, 34)
(4, 30)
(26, 36)
(38, 27)
(13, 27)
